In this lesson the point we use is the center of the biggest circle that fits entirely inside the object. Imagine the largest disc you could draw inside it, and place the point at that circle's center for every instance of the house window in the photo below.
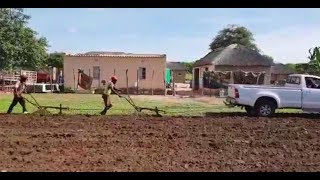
(142, 73)
(96, 72)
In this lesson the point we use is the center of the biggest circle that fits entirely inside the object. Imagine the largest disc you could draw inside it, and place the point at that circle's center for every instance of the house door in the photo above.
(196, 78)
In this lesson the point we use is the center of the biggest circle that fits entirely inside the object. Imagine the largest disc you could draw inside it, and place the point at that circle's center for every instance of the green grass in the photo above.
(183, 106)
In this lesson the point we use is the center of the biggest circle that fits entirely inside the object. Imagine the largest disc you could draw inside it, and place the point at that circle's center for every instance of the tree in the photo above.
(291, 65)
(188, 66)
(19, 46)
(55, 60)
(32, 53)
(314, 63)
(234, 35)
(302, 68)
(312, 67)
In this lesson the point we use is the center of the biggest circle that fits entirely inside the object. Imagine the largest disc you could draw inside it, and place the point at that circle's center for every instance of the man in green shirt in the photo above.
(108, 88)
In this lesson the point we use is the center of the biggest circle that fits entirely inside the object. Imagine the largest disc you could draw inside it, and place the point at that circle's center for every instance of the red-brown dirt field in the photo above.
(221, 142)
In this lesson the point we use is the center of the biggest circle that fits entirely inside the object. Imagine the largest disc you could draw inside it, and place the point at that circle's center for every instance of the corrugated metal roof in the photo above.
(117, 55)
(103, 52)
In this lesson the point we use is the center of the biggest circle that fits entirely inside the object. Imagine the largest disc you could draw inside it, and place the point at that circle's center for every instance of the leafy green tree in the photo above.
(19, 45)
(233, 35)
(188, 66)
(314, 62)
(55, 60)
(302, 68)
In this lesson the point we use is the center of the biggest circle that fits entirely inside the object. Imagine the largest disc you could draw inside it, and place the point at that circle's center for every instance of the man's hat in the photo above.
(23, 76)
(114, 78)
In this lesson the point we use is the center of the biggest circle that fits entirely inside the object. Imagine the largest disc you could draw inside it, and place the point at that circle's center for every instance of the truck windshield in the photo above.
(293, 80)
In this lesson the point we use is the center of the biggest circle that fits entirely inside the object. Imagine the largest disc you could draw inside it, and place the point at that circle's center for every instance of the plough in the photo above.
(43, 109)
(139, 109)
(229, 104)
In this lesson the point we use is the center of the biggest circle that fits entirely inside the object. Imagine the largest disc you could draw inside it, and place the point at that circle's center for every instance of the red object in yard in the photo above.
(43, 77)
(85, 81)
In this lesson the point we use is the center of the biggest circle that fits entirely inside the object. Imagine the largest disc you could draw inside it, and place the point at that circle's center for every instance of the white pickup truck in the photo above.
(300, 92)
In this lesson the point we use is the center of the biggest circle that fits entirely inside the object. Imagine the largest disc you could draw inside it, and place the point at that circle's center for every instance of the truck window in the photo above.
(312, 82)
(294, 80)
(316, 80)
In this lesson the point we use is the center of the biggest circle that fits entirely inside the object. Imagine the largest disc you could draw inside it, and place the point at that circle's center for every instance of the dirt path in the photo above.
(221, 143)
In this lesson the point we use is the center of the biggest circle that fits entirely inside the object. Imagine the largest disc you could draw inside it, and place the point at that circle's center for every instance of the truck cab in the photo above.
(310, 87)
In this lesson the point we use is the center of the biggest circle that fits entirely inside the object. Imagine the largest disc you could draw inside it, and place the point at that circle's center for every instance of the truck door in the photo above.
(311, 94)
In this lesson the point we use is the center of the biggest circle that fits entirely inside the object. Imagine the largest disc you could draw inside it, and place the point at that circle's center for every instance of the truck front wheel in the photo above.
(265, 108)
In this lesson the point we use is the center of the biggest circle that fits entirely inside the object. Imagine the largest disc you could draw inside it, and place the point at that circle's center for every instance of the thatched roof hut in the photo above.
(234, 55)
(179, 71)
(232, 58)
(176, 66)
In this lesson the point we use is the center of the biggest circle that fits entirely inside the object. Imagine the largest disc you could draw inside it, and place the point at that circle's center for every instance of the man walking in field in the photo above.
(107, 90)
(19, 88)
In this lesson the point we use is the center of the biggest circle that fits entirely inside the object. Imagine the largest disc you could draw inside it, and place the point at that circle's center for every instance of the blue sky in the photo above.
(183, 34)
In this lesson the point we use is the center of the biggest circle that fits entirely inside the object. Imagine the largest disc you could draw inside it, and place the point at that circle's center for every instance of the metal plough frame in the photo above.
(139, 109)
(128, 98)
(44, 108)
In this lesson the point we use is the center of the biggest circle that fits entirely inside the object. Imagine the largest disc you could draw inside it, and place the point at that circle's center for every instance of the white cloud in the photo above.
(72, 30)
(289, 45)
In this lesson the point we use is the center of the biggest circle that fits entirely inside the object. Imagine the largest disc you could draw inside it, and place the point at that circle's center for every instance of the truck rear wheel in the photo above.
(251, 111)
(265, 107)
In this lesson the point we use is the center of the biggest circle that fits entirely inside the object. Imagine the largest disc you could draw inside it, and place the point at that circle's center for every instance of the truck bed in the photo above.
(265, 86)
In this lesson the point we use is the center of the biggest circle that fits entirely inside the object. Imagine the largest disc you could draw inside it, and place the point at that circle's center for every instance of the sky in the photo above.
(182, 34)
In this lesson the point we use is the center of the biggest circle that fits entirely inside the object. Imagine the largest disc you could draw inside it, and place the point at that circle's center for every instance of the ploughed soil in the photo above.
(221, 142)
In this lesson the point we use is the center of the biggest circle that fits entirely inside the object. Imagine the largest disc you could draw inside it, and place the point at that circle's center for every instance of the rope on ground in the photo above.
(164, 110)
(121, 109)
(167, 110)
